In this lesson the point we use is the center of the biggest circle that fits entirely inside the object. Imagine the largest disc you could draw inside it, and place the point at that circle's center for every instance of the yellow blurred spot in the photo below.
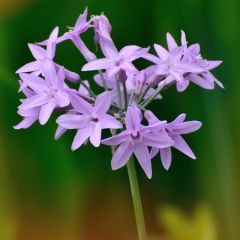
(201, 225)
(11, 6)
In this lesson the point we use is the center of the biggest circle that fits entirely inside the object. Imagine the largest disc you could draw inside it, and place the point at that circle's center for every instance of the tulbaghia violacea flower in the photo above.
(174, 130)
(121, 106)
(136, 139)
(115, 60)
(41, 55)
(183, 64)
(89, 120)
(49, 93)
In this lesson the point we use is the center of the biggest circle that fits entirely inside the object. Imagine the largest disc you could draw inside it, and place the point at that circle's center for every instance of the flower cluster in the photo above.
(126, 93)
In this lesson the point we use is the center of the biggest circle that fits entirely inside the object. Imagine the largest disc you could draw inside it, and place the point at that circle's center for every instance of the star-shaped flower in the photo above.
(89, 120)
(136, 139)
(41, 55)
(174, 130)
(49, 94)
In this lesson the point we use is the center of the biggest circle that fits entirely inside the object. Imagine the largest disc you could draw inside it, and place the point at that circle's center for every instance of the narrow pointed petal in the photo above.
(183, 38)
(30, 67)
(154, 152)
(96, 134)
(99, 64)
(80, 104)
(179, 119)
(72, 121)
(171, 42)
(82, 19)
(26, 122)
(103, 103)
(122, 155)
(117, 139)
(109, 122)
(161, 52)
(81, 136)
(59, 132)
(38, 52)
(209, 77)
(34, 101)
(50, 73)
(202, 82)
(142, 154)
(186, 127)
(52, 42)
(37, 84)
(128, 51)
(133, 118)
(166, 157)
(46, 111)
(157, 140)
(183, 147)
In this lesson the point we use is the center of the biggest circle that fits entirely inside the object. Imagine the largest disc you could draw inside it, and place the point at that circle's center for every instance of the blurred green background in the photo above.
(48, 192)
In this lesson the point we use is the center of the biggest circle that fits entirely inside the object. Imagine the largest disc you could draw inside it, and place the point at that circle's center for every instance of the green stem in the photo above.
(125, 96)
(137, 203)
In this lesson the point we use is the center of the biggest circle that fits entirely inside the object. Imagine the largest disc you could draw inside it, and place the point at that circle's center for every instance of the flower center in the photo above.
(95, 120)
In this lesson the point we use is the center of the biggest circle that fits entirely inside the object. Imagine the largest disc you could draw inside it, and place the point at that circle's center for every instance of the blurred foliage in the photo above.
(201, 225)
(48, 192)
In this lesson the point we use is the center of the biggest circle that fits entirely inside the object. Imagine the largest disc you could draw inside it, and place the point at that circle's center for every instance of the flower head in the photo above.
(47, 94)
(174, 130)
(136, 139)
(89, 120)
(42, 55)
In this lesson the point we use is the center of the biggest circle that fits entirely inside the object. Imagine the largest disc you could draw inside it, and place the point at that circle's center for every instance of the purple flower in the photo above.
(114, 60)
(136, 139)
(49, 94)
(41, 55)
(89, 120)
(81, 26)
(174, 129)
(183, 64)
(98, 23)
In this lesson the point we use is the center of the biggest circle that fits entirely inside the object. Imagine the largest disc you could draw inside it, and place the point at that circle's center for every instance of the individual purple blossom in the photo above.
(136, 139)
(89, 120)
(174, 129)
(74, 34)
(100, 22)
(41, 55)
(49, 94)
(115, 61)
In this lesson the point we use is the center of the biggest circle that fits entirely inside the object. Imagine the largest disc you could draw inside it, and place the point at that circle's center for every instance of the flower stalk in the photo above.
(137, 203)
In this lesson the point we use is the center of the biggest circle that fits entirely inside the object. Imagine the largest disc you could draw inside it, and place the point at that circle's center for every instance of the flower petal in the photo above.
(30, 67)
(161, 52)
(72, 121)
(183, 147)
(81, 136)
(34, 101)
(117, 139)
(171, 42)
(103, 103)
(166, 157)
(96, 134)
(133, 118)
(46, 111)
(38, 52)
(110, 122)
(157, 140)
(142, 154)
(103, 63)
(80, 104)
(52, 42)
(122, 155)
(186, 127)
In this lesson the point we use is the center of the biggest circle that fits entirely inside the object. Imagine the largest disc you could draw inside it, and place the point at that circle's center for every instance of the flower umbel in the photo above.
(121, 109)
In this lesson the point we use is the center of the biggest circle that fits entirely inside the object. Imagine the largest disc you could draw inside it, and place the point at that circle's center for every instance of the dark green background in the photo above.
(49, 192)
